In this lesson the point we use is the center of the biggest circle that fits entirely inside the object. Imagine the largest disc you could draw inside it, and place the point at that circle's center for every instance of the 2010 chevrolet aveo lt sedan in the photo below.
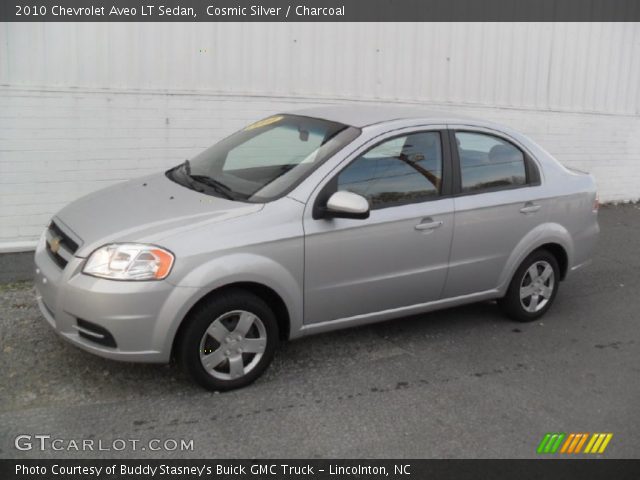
(307, 222)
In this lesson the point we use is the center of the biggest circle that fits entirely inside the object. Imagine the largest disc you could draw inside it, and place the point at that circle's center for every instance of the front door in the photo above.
(398, 256)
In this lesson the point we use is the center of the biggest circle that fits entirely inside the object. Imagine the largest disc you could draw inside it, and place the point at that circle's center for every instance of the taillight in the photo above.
(596, 203)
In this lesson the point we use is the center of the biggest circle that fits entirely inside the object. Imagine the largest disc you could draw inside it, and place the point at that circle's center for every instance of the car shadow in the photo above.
(73, 376)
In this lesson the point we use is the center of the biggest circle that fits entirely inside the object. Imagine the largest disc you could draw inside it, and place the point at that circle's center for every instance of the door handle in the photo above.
(529, 208)
(428, 224)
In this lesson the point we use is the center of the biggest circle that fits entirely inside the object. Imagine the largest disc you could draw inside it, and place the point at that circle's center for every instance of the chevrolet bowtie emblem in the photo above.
(54, 245)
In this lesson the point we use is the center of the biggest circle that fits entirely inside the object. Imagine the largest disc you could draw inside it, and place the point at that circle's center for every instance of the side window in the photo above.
(402, 170)
(488, 162)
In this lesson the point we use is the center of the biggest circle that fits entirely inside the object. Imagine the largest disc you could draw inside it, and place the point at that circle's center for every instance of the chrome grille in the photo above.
(60, 246)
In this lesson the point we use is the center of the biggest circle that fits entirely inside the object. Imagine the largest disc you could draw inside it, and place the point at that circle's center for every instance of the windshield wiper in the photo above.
(186, 172)
(193, 181)
(187, 167)
(218, 186)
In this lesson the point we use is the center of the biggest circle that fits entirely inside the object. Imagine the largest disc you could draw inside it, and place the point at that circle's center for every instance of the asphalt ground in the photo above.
(461, 383)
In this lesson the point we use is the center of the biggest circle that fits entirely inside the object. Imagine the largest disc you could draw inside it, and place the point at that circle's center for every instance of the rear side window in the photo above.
(406, 169)
(488, 162)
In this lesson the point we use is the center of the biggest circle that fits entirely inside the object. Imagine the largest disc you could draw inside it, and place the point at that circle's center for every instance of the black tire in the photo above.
(511, 303)
(199, 321)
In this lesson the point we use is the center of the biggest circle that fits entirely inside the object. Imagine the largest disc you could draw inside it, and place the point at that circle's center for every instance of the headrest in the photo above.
(421, 143)
(504, 153)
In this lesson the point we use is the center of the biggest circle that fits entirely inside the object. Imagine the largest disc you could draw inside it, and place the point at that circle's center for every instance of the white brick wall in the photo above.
(58, 144)
(85, 105)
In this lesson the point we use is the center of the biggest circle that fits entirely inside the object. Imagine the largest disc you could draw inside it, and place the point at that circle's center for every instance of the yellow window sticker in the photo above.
(264, 123)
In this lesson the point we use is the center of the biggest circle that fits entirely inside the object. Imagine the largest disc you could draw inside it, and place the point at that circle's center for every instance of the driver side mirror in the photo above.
(346, 205)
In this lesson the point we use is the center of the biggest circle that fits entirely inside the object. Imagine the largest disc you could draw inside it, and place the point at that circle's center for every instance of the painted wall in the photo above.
(86, 105)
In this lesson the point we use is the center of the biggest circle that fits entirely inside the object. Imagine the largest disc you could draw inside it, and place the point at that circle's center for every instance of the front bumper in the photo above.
(142, 317)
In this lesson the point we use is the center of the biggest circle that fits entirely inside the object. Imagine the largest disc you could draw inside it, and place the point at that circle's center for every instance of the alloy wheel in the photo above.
(536, 287)
(233, 345)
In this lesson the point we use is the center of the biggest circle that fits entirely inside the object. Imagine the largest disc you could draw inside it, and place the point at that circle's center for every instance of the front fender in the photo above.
(227, 270)
(541, 235)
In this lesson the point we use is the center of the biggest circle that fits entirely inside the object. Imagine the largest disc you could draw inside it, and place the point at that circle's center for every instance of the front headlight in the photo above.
(129, 261)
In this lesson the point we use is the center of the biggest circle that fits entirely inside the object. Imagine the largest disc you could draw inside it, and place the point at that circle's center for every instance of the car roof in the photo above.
(364, 115)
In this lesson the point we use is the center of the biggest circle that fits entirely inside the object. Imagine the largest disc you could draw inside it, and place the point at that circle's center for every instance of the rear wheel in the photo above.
(229, 340)
(533, 287)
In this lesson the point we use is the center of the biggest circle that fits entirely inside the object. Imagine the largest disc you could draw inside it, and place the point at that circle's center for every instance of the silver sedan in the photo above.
(312, 221)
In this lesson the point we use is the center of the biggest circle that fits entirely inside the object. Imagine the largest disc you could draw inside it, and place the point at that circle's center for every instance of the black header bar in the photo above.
(319, 10)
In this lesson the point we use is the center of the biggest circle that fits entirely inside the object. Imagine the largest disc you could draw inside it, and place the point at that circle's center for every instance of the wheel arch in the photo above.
(552, 237)
(560, 254)
(264, 292)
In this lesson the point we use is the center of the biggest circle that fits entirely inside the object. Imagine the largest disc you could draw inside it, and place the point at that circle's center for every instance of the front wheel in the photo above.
(229, 340)
(533, 287)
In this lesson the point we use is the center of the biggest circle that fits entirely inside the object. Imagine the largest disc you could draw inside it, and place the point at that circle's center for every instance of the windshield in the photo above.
(264, 160)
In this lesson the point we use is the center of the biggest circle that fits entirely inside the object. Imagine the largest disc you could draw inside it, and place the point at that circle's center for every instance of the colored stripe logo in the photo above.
(573, 443)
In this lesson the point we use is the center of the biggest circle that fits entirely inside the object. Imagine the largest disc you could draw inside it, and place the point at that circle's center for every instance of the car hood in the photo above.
(146, 210)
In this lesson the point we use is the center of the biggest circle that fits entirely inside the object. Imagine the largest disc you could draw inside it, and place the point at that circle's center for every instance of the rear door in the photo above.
(398, 256)
(498, 200)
